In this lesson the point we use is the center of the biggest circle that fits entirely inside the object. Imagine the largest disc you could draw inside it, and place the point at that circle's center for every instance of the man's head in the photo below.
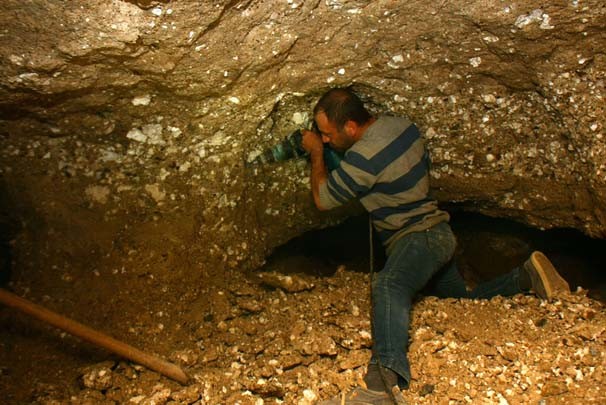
(341, 118)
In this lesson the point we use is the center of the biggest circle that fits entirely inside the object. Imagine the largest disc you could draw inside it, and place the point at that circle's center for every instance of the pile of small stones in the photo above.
(273, 338)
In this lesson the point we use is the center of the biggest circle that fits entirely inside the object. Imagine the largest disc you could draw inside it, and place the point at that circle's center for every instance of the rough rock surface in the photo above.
(116, 111)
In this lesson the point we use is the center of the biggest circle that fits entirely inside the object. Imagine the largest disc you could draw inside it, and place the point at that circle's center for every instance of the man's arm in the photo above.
(318, 176)
(312, 143)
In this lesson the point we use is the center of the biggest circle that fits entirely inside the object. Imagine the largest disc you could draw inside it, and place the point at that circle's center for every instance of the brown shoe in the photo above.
(546, 281)
(363, 396)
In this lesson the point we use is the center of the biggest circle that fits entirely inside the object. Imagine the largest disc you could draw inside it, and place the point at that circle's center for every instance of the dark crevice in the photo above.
(487, 247)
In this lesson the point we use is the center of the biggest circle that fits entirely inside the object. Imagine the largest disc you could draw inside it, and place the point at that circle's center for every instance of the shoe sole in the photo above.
(551, 281)
(360, 396)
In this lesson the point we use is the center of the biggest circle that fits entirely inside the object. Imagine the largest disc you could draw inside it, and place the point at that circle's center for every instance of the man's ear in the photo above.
(351, 128)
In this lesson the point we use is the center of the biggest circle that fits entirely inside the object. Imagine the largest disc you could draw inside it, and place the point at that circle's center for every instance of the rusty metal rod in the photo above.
(97, 338)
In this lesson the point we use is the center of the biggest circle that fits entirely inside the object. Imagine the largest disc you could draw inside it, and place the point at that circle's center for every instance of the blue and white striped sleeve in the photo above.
(352, 179)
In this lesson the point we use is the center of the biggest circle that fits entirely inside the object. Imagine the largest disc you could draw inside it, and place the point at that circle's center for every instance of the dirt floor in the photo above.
(296, 331)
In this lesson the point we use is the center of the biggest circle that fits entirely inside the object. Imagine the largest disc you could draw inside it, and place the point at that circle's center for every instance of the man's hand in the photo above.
(311, 142)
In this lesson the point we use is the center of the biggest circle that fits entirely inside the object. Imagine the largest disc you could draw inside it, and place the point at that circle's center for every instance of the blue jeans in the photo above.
(420, 260)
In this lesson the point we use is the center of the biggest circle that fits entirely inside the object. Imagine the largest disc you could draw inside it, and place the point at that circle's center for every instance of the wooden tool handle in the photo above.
(97, 338)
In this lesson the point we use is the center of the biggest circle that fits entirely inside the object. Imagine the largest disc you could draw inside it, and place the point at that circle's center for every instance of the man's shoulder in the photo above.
(392, 123)
(384, 130)
(386, 127)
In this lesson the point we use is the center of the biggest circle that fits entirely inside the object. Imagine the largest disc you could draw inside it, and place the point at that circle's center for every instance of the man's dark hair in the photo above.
(341, 105)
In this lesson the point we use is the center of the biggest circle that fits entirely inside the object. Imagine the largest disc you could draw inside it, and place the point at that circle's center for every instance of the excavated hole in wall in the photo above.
(487, 247)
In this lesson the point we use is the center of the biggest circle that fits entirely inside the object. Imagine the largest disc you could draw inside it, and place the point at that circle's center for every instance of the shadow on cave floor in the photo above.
(487, 247)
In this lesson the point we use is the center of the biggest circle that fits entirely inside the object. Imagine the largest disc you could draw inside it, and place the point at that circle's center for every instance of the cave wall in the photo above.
(126, 126)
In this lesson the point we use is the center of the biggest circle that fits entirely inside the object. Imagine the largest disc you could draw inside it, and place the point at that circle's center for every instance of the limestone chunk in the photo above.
(141, 100)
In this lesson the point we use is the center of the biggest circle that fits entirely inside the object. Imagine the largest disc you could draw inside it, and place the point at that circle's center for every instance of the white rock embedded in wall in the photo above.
(141, 100)
(153, 133)
(174, 131)
(475, 62)
(536, 15)
(136, 135)
(300, 118)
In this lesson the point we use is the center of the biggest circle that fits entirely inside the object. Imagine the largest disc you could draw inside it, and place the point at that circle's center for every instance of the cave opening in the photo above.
(486, 248)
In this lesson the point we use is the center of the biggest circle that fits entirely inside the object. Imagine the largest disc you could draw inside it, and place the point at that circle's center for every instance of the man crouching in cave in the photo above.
(386, 167)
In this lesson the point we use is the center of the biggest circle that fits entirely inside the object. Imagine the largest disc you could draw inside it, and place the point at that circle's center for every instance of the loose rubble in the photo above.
(267, 345)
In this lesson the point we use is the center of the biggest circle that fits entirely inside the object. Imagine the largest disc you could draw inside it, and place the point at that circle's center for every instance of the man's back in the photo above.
(388, 170)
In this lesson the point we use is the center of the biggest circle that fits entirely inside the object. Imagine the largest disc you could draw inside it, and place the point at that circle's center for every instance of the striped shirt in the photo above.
(388, 171)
